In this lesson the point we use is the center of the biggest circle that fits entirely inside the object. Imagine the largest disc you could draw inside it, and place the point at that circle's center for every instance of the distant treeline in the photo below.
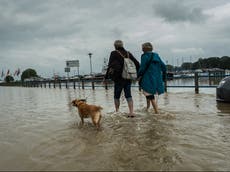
(206, 63)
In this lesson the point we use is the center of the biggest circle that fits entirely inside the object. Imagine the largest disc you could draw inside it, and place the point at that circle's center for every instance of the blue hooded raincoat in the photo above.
(152, 80)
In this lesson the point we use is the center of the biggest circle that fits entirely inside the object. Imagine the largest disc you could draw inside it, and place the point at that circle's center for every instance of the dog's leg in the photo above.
(96, 121)
(99, 124)
(82, 120)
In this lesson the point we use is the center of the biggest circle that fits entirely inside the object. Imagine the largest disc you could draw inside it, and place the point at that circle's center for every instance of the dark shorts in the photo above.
(118, 87)
(150, 97)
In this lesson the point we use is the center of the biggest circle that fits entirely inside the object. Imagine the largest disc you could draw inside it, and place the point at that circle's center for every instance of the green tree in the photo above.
(28, 73)
(225, 62)
(9, 78)
(169, 68)
(202, 63)
(186, 66)
(213, 62)
(196, 65)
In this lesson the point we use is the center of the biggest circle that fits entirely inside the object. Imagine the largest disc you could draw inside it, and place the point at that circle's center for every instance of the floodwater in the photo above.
(40, 130)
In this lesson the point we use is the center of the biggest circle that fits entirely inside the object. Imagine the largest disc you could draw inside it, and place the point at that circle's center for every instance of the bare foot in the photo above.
(131, 115)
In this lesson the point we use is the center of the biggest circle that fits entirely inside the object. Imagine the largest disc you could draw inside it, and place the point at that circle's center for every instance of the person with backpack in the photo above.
(151, 75)
(122, 69)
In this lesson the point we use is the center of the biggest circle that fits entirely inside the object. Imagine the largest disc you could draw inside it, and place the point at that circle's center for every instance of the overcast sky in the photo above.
(43, 34)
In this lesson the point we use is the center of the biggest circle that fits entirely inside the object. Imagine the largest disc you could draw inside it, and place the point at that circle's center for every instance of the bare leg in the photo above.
(117, 104)
(148, 103)
(130, 104)
(154, 104)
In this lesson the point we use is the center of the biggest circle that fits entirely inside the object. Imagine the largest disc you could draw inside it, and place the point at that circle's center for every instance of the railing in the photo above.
(93, 83)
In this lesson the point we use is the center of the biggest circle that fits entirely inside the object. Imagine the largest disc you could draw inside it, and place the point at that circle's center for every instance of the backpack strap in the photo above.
(122, 54)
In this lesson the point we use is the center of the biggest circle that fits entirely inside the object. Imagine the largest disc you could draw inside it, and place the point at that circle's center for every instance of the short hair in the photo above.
(118, 44)
(147, 46)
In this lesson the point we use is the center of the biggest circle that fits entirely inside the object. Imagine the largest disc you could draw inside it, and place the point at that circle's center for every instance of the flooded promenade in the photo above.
(39, 130)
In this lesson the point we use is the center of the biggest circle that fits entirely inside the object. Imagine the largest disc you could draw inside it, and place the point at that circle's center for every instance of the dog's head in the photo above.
(76, 102)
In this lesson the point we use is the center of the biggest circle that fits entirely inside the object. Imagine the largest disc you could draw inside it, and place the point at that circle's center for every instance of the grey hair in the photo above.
(148, 46)
(118, 43)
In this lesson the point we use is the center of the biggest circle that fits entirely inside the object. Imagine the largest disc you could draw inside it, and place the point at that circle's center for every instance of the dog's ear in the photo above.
(73, 102)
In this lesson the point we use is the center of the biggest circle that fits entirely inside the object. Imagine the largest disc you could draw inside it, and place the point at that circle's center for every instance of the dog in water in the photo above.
(85, 111)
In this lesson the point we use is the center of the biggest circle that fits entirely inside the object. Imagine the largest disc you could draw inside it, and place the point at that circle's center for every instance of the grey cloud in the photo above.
(24, 21)
(178, 11)
(44, 33)
(116, 32)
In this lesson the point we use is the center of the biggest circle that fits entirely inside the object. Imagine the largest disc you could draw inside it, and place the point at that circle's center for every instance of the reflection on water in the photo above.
(40, 130)
(203, 81)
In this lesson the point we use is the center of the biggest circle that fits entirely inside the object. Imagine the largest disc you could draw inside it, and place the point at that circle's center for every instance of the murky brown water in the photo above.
(39, 130)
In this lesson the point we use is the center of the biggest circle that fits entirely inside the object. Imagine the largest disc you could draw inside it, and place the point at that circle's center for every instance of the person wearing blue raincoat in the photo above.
(152, 72)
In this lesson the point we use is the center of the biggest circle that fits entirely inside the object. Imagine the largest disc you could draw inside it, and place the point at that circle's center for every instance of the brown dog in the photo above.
(85, 111)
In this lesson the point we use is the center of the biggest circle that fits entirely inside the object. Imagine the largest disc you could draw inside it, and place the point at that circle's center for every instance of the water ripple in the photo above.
(40, 130)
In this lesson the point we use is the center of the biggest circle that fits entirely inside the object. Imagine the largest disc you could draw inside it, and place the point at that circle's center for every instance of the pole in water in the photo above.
(196, 83)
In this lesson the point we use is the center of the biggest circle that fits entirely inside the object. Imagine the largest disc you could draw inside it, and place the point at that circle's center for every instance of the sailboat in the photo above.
(105, 66)
(104, 69)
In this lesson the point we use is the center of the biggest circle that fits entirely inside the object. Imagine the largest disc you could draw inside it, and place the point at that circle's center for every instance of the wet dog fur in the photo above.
(85, 111)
